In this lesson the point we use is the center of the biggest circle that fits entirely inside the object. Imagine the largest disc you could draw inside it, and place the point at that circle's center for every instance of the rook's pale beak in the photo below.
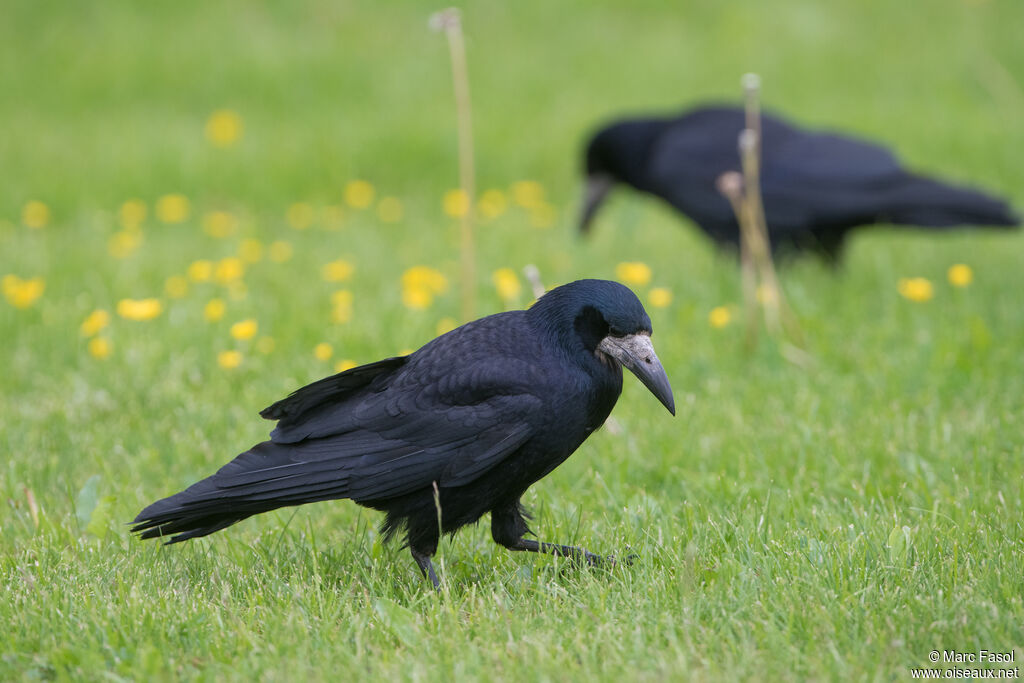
(636, 352)
(598, 186)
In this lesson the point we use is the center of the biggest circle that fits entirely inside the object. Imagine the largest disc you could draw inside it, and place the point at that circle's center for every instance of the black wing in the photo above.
(446, 414)
(803, 172)
(330, 390)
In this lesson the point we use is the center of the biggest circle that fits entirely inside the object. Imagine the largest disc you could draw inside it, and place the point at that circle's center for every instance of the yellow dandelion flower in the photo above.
(224, 128)
(94, 322)
(132, 213)
(214, 310)
(543, 215)
(342, 297)
(35, 214)
(507, 283)
(176, 286)
(250, 250)
(200, 271)
(417, 298)
(244, 330)
(445, 325)
(345, 364)
(492, 204)
(228, 270)
(124, 243)
(426, 278)
(917, 289)
(22, 293)
(99, 347)
(265, 344)
(323, 351)
(527, 193)
(332, 217)
(229, 360)
(404, 352)
(359, 194)
(341, 306)
(219, 224)
(337, 271)
(173, 208)
(633, 273)
(420, 284)
(390, 210)
(455, 203)
(719, 317)
(300, 215)
(139, 309)
(280, 251)
(960, 275)
(660, 297)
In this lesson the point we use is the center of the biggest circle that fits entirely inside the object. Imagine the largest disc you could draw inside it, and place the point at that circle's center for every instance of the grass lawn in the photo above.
(834, 522)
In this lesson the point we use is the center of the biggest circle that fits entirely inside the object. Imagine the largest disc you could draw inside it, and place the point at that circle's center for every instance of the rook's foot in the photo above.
(572, 552)
(427, 567)
(612, 561)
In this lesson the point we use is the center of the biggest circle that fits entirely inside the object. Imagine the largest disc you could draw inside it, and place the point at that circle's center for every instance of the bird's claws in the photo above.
(609, 561)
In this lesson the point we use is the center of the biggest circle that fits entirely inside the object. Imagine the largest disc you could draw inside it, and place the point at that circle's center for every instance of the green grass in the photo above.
(836, 522)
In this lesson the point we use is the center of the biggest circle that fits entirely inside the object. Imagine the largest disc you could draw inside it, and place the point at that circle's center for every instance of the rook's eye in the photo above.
(616, 332)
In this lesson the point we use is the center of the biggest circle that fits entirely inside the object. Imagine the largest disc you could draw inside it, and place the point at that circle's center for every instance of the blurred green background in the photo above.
(835, 521)
(105, 101)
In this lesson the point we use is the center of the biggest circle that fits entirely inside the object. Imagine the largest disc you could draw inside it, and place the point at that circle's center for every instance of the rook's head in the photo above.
(605, 320)
(617, 153)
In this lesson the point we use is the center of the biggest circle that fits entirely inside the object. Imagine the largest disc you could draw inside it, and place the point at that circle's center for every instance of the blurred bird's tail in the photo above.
(934, 204)
(263, 478)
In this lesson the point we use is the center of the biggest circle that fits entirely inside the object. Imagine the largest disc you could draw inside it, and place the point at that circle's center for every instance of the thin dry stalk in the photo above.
(730, 185)
(755, 231)
(33, 507)
(449, 21)
(777, 313)
(532, 275)
(752, 105)
(437, 507)
(760, 280)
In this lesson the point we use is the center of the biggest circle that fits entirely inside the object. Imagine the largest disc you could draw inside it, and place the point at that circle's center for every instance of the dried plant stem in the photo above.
(532, 275)
(753, 231)
(437, 507)
(777, 313)
(731, 186)
(752, 105)
(744, 195)
(450, 22)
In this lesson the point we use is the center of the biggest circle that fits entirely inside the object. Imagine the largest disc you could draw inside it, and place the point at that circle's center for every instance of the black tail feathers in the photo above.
(181, 527)
(199, 510)
(935, 204)
(263, 478)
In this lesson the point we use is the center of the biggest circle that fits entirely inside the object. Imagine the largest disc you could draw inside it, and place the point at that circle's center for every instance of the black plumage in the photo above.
(472, 418)
(816, 186)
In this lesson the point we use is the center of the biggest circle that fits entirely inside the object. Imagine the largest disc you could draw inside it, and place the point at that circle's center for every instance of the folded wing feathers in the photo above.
(334, 388)
(370, 471)
(470, 464)
(347, 436)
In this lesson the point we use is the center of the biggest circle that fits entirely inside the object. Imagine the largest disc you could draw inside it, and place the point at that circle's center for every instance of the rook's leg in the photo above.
(570, 551)
(426, 566)
(508, 528)
(422, 537)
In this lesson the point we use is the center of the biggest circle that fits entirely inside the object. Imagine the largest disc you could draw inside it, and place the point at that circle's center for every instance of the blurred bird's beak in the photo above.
(636, 352)
(597, 189)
